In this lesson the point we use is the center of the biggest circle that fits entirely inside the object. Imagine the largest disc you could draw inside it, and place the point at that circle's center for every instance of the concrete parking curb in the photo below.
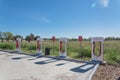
(93, 72)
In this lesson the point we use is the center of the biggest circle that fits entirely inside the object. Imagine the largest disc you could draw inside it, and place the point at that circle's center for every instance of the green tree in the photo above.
(1, 36)
(110, 38)
(36, 37)
(6, 35)
(18, 36)
(32, 36)
(27, 38)
(9, 36)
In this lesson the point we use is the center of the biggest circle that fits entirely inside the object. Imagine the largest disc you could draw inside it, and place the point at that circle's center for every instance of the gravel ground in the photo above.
(107, 72)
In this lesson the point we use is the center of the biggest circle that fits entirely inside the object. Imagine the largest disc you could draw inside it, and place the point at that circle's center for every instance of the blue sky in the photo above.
(61, 18)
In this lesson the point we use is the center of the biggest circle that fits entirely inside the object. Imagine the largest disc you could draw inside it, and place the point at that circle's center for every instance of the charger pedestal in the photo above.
(100, 40)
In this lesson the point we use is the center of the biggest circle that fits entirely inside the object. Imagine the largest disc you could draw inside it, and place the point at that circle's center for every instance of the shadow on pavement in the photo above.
(46, 61)
(60, 64)
(35, 58)
(118, 78)
(23, 57)
(83, 68)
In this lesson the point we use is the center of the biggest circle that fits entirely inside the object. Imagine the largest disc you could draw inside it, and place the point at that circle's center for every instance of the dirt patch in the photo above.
(107, 72)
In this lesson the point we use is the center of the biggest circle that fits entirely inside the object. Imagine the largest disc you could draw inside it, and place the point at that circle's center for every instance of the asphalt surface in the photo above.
(24, 67)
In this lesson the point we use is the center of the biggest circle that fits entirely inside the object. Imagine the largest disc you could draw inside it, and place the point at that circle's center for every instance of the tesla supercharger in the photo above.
(62, 54)
(39, 46)
(100, 40)
(18, 44)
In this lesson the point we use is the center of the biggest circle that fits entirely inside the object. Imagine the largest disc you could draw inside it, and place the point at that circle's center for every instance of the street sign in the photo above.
(80, 38)
(53, 38)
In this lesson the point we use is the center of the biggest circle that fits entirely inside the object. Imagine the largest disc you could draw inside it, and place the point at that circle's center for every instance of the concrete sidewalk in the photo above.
(25, 67)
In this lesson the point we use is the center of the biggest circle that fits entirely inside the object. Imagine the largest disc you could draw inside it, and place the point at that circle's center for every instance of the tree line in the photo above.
(9, 36)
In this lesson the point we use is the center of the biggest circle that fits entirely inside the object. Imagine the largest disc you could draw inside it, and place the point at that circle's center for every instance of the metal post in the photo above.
(53, 47)
(30, 46)
(44, 46)
(53, 39)
(65, 49)
(81, 55)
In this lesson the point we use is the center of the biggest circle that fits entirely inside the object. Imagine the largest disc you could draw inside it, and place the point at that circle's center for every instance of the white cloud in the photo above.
(105, 3)
(39, 18)
(42, 19)
(35, 17)
(45, 20)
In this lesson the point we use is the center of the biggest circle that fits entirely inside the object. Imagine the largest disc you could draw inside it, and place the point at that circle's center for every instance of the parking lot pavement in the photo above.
(25, 67)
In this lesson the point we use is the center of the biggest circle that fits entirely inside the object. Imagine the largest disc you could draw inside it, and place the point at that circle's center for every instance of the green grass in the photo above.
(112, 52)
(111, 49)
(6, 45)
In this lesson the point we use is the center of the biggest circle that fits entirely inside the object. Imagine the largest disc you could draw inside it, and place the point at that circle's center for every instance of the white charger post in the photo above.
(62, 54)
(93, 41)
(39, 46)
(18, 45)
